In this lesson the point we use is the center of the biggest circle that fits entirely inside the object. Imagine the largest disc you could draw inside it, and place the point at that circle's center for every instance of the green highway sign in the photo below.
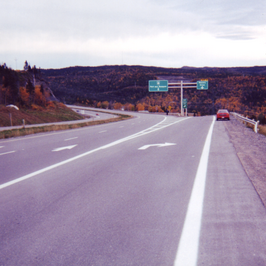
(202, 85)
(158, 85)
(184, 103)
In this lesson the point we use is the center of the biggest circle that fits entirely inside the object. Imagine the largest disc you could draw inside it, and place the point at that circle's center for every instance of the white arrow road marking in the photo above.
(7, 152)
(65, 148)
(156, 145)
(136, 135)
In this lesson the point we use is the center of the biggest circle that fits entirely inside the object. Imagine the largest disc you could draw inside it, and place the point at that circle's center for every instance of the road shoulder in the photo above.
(251, 150)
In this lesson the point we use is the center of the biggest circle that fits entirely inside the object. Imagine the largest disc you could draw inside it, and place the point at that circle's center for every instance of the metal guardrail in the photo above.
(247, 120)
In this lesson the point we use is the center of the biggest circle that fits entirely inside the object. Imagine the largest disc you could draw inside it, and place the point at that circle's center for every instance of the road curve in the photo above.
(120, 194)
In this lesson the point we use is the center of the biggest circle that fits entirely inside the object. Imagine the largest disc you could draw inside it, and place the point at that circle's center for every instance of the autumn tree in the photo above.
(129, 107)
(117, 106)
(140, 107)
(39, 97)
(98, 105)
(30, 90)
(24, 96)
(105, 104)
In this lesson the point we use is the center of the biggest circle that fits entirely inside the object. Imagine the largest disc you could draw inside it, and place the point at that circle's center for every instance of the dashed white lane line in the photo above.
(103, 131)
(71, 138)
(141, 133)
(187, 253)
(4, 153)
(65, 148)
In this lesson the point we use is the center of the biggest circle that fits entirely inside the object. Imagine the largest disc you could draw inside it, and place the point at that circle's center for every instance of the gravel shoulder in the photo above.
(251, 151)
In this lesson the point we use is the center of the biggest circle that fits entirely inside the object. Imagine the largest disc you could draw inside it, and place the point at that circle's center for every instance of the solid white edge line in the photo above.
(8, 152)
(187, 253)
(141, 133)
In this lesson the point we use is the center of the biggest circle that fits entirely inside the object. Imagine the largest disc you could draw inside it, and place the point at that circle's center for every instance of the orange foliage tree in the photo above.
(39, 98)
(24, 96)
(117, 106)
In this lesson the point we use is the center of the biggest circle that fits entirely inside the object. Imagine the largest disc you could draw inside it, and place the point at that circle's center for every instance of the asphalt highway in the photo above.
(152, 190)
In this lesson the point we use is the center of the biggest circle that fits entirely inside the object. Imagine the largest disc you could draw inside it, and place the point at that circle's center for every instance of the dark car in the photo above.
(222, 114)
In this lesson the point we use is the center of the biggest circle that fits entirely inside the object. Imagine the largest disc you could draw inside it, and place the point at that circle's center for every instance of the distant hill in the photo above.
(238, 88)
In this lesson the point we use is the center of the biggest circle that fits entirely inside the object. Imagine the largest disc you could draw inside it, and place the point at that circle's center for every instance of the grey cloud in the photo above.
(105, 20)
(118, 19)
(221, 12)
(236, 36)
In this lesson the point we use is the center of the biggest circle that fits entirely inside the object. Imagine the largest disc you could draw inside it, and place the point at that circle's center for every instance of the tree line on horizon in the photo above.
(242, 90)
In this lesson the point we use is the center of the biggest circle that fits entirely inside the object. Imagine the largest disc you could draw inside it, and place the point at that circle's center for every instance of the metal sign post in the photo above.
(182, 85)
(163, 85)
(181, 107)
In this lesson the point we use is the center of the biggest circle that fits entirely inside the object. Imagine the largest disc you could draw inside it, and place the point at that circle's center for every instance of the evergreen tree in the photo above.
(30, 89)
(26, 65)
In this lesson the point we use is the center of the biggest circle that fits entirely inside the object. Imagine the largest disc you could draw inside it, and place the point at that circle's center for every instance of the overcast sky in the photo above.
(167, 33)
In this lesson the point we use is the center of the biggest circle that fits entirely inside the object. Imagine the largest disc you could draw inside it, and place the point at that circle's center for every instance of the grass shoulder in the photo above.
(262, 129)
(58, 113)
(53, 112)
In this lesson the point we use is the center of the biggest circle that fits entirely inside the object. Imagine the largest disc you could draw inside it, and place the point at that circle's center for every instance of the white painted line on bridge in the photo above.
(187, 253)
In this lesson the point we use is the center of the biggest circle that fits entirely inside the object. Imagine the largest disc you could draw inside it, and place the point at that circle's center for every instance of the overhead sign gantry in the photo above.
(163, 85)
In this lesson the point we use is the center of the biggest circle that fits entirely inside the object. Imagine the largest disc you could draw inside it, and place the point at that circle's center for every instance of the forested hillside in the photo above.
(31, 93)
(24, 88)
(240, 89)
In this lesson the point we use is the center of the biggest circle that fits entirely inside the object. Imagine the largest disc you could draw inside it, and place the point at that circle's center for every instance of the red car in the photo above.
(222, 114)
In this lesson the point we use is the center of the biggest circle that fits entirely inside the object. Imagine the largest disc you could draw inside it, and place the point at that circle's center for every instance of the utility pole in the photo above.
(181, 100)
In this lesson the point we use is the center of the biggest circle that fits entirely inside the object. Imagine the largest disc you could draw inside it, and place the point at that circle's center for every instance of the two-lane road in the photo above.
(147, 191)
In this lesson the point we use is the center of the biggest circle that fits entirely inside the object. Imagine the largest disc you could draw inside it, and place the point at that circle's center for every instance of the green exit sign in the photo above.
(202, 85)
(184, 103)
(158, 85)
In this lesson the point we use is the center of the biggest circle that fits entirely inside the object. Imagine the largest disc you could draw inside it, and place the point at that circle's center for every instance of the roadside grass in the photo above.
(262, 130)
(33, 130)
(55, 112)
